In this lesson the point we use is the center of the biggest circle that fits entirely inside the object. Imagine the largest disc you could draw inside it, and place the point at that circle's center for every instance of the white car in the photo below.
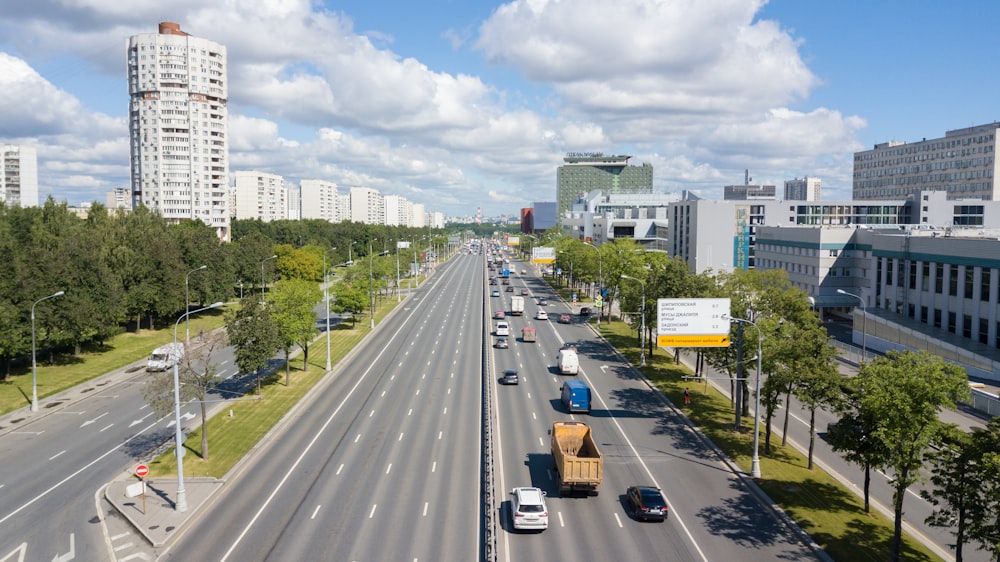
(503, 329)
(527, 509)
(542, 315)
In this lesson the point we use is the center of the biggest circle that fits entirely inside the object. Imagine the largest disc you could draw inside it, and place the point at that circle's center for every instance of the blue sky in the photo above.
(459, 104)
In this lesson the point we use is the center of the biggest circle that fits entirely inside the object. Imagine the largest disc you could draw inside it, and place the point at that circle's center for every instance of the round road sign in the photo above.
(141, 470)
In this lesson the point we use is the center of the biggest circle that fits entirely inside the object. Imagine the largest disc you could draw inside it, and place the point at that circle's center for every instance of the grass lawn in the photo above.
(59, 371)
(831, 513)
(230, 438)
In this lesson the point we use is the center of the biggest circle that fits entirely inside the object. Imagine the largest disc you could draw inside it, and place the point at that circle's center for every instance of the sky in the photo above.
(466, 104)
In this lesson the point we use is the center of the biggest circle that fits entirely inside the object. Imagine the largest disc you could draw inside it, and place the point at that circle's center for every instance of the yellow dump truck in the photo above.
(579, 464)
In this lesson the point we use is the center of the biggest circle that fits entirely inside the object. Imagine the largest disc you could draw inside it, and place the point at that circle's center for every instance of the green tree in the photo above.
(254, 335)
(292, 303)
(349, 298)
(957, 495)
(903, 392)
(984, 520)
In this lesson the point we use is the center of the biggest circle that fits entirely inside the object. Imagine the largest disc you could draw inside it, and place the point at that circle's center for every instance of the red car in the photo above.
(499, 315)
(565, 319)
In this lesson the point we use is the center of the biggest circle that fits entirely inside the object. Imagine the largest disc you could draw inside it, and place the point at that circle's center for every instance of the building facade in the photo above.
(260, 195)
(805, 189)
(367, 206)
(19, 175)
(585, 172)
(320, 200)
(178, 116)
(962, 163)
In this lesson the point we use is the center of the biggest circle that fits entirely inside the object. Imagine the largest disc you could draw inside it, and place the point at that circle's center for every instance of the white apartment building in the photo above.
(294, 210)
(119, 198)
(260, 195)
(395, 210)
(963, 163)
(419, 215)
(805, 189)
(367, 206)
(178, 117)
(19, 175)
(320, 200)
(435, 219)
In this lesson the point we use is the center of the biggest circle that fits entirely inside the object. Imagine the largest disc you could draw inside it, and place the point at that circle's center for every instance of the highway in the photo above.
(712, 516)
(51, 468)
(383, 462)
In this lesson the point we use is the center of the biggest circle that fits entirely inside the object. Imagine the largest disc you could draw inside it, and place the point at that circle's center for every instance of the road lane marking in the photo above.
(619, 520)
(541, 442)
(60, 453)
(410, 413)
(425, 509)
(106, 428)
(94, 420)
(561, 522)
(400, 436)
(434, 466)
(388, 468)
(372, 514)
(371, 413)
(315, 511)
(140, 420)
(445, 411)
(440, 433)
(358, 438)
(339, 468)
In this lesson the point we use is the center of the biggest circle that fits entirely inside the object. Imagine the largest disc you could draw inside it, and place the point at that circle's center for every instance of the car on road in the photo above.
(543, 302)
(499, 315)
(585, 311)
(569, 345)
(501, 343)
(506, 281)
(495, 293)
(509, 377)
(509, 288)
(646, 503)
(524, 292)
(565, 319)
(542, 315)
(528, 510)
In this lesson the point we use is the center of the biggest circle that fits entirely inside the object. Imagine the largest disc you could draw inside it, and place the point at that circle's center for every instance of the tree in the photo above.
(350, 298)
(903, 393)
(957, 495)
(851, 435)
(984, 521)
(197, 375)
(254, 335)
(291, 303)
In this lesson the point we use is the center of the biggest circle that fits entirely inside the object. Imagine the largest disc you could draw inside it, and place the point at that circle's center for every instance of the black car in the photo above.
(509, 377)
(585, 311)
(509, 288)
(646, 503)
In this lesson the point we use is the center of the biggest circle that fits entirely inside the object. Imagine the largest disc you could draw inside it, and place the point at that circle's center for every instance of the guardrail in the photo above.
(489, 509)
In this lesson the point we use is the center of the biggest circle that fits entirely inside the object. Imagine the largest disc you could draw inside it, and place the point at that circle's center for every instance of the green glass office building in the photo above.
(585, 172)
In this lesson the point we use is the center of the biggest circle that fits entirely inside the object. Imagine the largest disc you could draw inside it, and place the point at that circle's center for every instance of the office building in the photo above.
(178, 115)
(805, 189)
(260, 195)
(962, 163)
(585, 172)
(18, 175)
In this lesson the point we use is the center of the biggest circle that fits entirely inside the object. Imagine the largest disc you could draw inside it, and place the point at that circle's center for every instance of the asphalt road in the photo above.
(713, 516)
(51, 468)
(382, 463)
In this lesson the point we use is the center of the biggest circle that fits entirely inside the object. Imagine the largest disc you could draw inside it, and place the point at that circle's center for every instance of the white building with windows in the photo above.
(178, 116)
(260, 195)
(19, 175)
(367, 206)
(419, 215)
(805, 189)
(321, 200)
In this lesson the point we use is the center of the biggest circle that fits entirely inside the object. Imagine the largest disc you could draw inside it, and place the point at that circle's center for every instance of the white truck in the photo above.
(165, 357)
(569, 363)
(516, 306)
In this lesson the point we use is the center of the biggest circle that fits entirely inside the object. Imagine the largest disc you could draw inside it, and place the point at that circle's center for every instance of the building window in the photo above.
(952, 322)
(925, 274)
(969, 270)
(953, 280)
(984, 284)
(939, 278)
(984, 325)
(937, 317)
(923, 314)
(966, 326)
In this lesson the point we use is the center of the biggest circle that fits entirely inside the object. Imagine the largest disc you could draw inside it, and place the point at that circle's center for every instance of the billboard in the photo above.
(692, 322)
(402, 244)
(543, 255)
(513, 240)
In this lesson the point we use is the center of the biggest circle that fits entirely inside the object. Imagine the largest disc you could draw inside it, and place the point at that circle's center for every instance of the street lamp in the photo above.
(600, 282)
(371, 287)
(755, 461)
(187, 304)
(240, 283)
(642, 335)
(181, 505)
(864, 323)
(262, 283)
(34, 370)
(326, 299)
(399, 294)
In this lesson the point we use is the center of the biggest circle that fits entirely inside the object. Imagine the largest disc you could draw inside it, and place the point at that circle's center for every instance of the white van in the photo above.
(503, 329)
(165, 357)
(569, 363)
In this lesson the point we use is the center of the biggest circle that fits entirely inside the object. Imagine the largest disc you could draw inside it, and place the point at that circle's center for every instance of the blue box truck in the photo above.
(576, 396)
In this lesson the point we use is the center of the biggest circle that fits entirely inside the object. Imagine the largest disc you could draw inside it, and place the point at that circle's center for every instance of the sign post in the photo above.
(141, 471)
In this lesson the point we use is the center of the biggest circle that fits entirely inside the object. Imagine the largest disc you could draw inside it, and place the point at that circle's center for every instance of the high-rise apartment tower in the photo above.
(177, 126)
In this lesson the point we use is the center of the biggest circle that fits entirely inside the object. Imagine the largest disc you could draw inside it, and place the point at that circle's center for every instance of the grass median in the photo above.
(825, 509)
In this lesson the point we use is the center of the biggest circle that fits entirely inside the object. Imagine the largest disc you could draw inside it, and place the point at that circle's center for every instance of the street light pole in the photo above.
(642, 335)
(326, 299)
(34, 370)
(399, 294)
(600, 281)
(187, 304)
(181, 505)
(864, 323)
(262, 283)
(755, 460)
(371, 288)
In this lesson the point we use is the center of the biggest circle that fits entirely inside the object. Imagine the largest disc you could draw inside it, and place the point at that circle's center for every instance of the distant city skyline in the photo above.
(465, 105)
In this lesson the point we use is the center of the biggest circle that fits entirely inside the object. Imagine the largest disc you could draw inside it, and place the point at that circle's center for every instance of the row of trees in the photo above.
(888, 413)
(122, 271)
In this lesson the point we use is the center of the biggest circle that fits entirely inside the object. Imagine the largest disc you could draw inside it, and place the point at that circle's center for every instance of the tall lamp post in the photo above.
(600, 281)
(187, 304)
(864, 323)
(755, 461)
(399, 294)
(371, 287)
(642, 336)
(326, 299)
(181, 505)
(262, 283)
(34, 370)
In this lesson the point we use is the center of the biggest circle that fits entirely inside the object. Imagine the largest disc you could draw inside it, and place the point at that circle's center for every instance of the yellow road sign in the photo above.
(693, 341)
